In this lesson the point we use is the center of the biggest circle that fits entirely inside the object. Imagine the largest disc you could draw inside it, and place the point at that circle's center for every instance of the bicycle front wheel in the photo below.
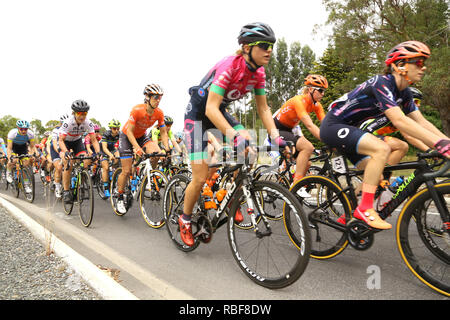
(151, 198)
(423, 238)
(265, 253)
(85, 198)
(28, 185)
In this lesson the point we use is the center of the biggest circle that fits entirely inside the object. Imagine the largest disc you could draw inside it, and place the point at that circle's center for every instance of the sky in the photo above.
(53, 52)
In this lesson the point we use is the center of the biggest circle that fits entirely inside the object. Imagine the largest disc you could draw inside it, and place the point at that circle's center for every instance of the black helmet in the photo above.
(80, 106)
(168, 120)
(417, 94)
(256, 31)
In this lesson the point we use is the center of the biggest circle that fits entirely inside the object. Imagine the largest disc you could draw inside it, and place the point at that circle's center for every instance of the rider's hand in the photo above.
(139, 151)
(280, 142)
(240, 143)
(443, 147)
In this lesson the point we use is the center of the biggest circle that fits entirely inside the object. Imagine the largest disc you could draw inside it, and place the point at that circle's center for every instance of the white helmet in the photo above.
(152, 89)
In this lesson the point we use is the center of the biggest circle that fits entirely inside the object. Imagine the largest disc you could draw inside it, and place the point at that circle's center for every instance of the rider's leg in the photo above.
(305, 149)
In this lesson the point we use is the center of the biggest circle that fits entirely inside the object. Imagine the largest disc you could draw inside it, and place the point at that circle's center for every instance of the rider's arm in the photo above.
(411, 127)
(309, 124)
(266, 115)
(420, 119)
(131, 137)
(33, 147)
(415, 142)
(164, 137)
(94, 142)
(106, 150)
(9, 149)
(216, 117)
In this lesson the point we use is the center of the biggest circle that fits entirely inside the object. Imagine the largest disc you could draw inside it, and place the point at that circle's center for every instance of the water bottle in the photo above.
(73, 181)
(133, 184)
(396, 183)
(387, 194)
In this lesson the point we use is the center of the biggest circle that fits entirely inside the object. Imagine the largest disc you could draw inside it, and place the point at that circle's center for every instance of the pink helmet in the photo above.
(96, 127)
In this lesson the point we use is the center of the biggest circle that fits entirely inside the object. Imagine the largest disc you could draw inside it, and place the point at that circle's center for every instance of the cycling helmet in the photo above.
(114, 123)
(417, 94)
(256, 31)
(96, 127)
(407, 50)
(315, 80)
(179, 135)
(152, 89)
(47, 133)
(24, 124)
(63, 117)
(80, 106)
(168, 120)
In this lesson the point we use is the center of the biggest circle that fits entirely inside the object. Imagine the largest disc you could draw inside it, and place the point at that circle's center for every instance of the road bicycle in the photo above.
(82, 190)
(146, 185)
(263, 249)
(423, 225)
(98, 180)
(23, 178)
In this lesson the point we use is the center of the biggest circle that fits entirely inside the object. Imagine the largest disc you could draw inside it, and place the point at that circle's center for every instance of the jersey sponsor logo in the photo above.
(342, 133)
(201, 92)
(234, 94)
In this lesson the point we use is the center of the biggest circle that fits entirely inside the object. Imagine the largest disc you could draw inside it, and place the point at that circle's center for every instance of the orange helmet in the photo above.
(316, 80)
(407, 50)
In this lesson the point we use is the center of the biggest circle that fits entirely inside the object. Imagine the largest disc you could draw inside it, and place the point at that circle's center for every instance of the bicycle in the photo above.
(23, 179)
(82, 191)
(422, 236)
(98, 181)
(263, 245)
(145, 184)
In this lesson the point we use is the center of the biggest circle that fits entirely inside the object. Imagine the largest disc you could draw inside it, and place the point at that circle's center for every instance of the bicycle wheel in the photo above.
(114, 193)
(270, 199)
(85, 198)
(173, 209)
(330, 203)
(3, 181)
(28, 185)
(151, 198)
(423, 239)
(268, 256)
(98, 183)
(68, 206)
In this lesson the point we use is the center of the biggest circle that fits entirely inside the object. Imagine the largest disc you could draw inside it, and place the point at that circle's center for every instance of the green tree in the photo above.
(7, 123)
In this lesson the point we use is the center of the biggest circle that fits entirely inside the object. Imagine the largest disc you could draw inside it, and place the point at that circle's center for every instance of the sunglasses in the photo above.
(265, 45)
(23, 129)
(157, 96)
(419, 63)
(115, 128)
(81, 113)
(417, 101)
(321, 90)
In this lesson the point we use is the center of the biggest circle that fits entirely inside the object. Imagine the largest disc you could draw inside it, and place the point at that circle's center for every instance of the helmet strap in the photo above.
(249, 66)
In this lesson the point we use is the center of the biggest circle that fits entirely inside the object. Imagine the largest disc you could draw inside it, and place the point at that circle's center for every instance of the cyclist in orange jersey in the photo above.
(296, 110)
(133, 136)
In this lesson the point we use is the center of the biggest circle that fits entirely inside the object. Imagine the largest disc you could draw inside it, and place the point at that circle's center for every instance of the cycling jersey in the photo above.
(110, 140)
(294, 109)
(371, 99)
(87, 139)
(156, 134)
(142, 121)
(73, 131)
(3, 146)
(340, 127)
(229, 78)
(18, 139)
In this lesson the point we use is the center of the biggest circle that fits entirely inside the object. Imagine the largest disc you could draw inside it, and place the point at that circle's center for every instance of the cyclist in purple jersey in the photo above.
(229, 80)
(388, 94)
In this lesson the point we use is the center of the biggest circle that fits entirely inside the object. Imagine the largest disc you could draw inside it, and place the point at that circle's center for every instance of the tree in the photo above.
(6, 124)
(365, 30)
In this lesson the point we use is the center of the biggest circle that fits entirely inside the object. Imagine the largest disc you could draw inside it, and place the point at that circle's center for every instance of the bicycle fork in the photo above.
(251, 211)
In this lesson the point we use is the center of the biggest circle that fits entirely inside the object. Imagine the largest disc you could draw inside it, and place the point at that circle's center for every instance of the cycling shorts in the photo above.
(76, 146)
(196, 124)
(20, 149)
(55, 155)
(125, 146)
(345, 138)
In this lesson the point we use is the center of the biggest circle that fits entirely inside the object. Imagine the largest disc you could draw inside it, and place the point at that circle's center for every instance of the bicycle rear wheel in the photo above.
(85, 198)
(325, 206)
(173, 208)
(268, 256)
(423, 238)
(151, 198)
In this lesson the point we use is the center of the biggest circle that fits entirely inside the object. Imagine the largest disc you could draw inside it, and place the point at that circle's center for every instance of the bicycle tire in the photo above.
(273, 244)
(68, 207)
(173, 208)
(27, 174)
(98, 182)
(113, 191)
(325, 211)
(150, 199)
(428, 252)
(85, 195)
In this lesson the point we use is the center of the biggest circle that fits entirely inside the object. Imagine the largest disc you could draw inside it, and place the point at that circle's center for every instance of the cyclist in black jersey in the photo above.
(386, 94)
(109, 150)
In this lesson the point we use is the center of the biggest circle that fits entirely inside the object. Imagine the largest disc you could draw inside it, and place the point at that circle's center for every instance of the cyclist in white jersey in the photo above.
(71, 138)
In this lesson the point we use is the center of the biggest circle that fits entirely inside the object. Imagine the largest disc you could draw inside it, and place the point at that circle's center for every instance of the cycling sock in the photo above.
(186, 218)
(366, 201)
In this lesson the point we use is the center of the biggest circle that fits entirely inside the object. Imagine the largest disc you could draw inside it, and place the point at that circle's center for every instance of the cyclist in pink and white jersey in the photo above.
(227, 81)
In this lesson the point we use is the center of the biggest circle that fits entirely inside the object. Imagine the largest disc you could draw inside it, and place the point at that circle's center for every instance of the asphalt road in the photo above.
(151, 267)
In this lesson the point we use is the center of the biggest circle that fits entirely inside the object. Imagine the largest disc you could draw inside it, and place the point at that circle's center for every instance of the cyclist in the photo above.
(18, 141)
(109, 140)
(179, 136)
(133, 136)
(387, 94)
(156, 134)
(87, 139)
(296, 110)
(55, 157)
(71, 138)
(3, 151)
(229, 80)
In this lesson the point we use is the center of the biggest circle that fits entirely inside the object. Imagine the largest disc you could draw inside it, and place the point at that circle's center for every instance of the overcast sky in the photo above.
(53, 52)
